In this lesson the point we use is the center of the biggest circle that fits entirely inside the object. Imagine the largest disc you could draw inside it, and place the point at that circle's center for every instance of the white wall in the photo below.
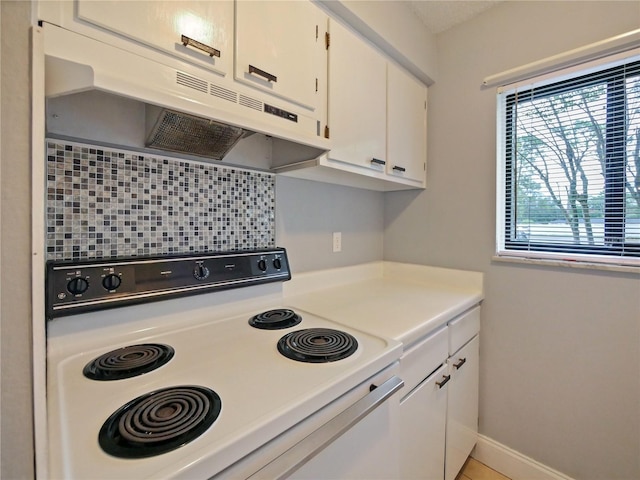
(560, 348)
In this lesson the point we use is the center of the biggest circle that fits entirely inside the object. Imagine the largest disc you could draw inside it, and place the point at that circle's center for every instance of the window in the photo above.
(570, 161)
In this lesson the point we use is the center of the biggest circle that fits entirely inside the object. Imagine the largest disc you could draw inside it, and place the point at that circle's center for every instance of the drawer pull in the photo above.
(262, 73)
(443, 382)
(377, 161)
(461, 362)
(190, 42)
(399, 169)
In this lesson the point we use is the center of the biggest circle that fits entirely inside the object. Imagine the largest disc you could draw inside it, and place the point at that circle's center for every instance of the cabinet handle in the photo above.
(445, 379)
(190, 42)
(399, 169)
(377, 161)
(461, 362)
(262, 73)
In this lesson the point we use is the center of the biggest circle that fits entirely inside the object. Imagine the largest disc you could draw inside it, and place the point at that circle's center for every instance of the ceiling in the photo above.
(440, 15)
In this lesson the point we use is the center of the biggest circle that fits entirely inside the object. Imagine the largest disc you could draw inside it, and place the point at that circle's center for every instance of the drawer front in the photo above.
(463, 328)
(422, 359)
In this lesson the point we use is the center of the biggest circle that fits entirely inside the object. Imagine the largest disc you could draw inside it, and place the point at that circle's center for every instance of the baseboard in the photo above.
(511, 463)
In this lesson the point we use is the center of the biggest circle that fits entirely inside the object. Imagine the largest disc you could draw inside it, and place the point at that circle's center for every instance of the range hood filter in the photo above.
(184, 133)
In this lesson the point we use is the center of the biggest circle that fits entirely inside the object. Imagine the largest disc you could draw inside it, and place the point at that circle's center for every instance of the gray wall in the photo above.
(307, 214)
(560, 348)
(16, 442)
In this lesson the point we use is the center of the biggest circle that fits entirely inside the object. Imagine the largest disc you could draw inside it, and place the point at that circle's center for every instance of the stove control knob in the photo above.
(111, 282)
(262, 265)
(277, 263)
(201, 272)
(77, 286)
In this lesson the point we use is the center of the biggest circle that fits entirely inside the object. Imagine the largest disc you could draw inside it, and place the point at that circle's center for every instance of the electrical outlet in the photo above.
(337, 242)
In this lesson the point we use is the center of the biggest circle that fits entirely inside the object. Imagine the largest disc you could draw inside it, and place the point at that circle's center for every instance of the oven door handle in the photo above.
(314, 443)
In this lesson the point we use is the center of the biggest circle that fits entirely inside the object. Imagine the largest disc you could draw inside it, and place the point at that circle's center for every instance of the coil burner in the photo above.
(317, 345)
(275, 319)
(159, 422)
(128, 361)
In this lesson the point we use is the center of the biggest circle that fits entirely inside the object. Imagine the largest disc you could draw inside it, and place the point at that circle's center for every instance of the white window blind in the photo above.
(569, 158)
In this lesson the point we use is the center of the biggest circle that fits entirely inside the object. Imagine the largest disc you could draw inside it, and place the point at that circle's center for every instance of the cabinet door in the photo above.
(280, 49)
(207, 27)
(357, 100)
(462, 413)
(422, 429)
(406, 125)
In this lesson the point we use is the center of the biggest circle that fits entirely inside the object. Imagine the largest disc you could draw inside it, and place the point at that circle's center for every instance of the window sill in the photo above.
(567, 264)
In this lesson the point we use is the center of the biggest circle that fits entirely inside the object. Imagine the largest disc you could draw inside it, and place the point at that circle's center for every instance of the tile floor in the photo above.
(474, 470)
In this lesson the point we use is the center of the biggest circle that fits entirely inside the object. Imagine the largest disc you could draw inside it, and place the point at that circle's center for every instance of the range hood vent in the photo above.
(181, 132)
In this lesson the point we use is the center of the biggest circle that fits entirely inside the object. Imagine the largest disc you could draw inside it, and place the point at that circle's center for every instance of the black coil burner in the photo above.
(159, 422)
(275, 319)
(128, 361)
(317, 345)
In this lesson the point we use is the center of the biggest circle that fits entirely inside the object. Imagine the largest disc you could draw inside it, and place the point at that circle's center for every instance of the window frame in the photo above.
(619, 254)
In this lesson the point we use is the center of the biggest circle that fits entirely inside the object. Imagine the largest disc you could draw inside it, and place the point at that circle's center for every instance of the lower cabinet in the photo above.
(439, 412)
(423, 422)
(462, 407)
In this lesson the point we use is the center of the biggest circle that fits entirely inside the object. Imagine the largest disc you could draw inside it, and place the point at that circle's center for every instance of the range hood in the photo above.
(188, 110)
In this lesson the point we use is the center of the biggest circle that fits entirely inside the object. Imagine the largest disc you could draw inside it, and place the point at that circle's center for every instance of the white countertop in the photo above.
(400, 301)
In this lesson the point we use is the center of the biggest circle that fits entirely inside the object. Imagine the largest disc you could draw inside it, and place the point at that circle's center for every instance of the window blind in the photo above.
(570, 159)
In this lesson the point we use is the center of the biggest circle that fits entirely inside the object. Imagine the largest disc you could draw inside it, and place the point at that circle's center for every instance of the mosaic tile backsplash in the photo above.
(110, 203)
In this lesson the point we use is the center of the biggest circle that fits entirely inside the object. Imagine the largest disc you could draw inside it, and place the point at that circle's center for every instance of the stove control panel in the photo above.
(94, 285)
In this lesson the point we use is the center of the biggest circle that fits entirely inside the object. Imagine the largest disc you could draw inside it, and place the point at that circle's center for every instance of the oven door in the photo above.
(354, 437)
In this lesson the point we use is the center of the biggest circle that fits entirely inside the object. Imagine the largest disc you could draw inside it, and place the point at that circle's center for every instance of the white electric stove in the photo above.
(193, 386)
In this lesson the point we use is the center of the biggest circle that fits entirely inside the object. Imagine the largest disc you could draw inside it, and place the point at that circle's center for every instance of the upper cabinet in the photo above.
(187, 60)
(200, 32)
(406, 125)
(280, 49)
(376, 120)
(357, 101)
(281, 68)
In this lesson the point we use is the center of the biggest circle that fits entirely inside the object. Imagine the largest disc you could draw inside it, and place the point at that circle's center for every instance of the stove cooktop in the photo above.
(257, 391)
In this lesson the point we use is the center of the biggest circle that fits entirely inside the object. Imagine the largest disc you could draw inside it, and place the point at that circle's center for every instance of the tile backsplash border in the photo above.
(106, 203)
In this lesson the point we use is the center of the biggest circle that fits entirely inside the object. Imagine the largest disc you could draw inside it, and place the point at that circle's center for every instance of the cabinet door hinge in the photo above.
(316, 32)
(316, 84)
(327, 40)
(326, 131)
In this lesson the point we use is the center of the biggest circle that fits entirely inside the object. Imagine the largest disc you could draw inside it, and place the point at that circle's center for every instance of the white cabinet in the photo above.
(439, 411)
(423, 409)
(462, 407)
(376, 120)
(422, 423)
(280, 49)
(376, 112)
(406, 125)
(357, 101)
(372, 113)
(199, 32)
